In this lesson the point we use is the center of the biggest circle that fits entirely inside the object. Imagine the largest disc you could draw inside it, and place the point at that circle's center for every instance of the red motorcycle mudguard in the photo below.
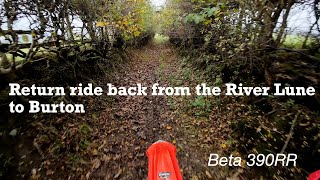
(162, 162)
(314, 176)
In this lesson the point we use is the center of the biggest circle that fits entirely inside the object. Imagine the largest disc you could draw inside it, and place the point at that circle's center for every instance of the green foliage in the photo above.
(134, 19)
(202, 106)
(218, 81)
(85, 129)
(25, 38)
(290, 103)
(205, 16)
(168, 19)
(160, 39)
(199, 102)
(186, 74)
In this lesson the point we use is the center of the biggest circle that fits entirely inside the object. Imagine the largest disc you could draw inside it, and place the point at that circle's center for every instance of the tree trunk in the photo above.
(304, 45)
(284, 23)
(69, 27)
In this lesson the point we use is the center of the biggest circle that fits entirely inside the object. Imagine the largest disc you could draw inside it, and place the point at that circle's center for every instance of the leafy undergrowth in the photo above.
(39, 145)
(206, 126)
(259, 125)
(205, 123)
(287, 128)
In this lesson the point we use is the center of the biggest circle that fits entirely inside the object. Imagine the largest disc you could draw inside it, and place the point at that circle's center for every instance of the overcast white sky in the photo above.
(300, 19)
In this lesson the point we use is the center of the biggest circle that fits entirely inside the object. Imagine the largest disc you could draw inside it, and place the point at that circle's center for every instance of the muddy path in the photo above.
(133, 123)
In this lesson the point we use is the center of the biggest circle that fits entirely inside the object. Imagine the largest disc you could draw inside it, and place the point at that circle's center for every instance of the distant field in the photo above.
(41, 52)
(295, 41)
(291, 41)
(26, 50)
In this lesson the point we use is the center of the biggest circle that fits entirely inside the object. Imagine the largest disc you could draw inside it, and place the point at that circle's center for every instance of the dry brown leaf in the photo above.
(106, 158)
(174, 141)
(49, 172)
(208, 175)
(194, 177)
(235, 176)
(88, 175)
(118, 174)
(34, 175)
(96, 163)
(94, 152)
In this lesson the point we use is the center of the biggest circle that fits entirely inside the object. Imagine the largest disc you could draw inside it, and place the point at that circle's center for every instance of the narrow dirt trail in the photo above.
(133, 123)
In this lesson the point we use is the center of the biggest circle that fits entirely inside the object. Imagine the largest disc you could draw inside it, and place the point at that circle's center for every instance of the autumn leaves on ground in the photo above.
(135, 122)
(111, 139)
